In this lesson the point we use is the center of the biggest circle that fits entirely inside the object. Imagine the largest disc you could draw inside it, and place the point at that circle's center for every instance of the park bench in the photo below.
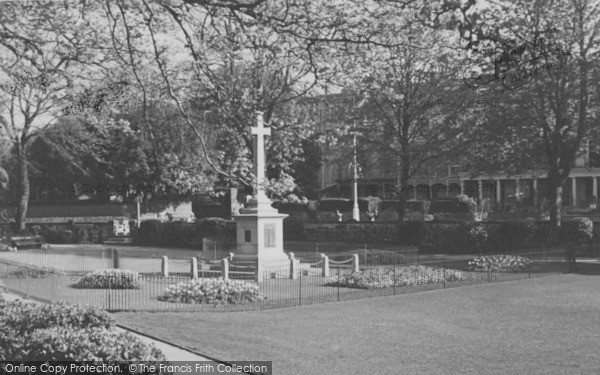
(27, 242)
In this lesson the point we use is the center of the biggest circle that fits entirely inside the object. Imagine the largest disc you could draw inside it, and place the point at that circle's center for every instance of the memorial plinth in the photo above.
(259, 233)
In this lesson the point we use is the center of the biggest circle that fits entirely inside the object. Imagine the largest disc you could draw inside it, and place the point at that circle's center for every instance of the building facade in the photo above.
(379, 172)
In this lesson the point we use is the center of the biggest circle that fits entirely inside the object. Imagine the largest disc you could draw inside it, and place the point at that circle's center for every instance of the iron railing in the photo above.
(308, 278)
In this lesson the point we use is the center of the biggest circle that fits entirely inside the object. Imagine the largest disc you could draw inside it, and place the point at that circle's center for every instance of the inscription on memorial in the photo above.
(269, 235)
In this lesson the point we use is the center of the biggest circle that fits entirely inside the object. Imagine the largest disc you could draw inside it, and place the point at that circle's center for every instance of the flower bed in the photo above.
(37, 271)
(212, 291)
(399, 276)
(65, 332)
(109, 279)
(500, 263)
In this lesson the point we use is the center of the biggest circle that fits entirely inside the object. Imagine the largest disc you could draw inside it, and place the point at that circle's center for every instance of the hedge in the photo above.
(182, 234)
(286, 207)
(293, 230)
(342, 204)
(448, 206)
(351, 232)
(444, 237)
(66, 233)
(435, 236)
(395, 205)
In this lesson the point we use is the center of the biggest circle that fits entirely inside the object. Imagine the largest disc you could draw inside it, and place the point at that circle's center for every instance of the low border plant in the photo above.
(396, 276)
(112, 278)
(212, 291)
(501, 263)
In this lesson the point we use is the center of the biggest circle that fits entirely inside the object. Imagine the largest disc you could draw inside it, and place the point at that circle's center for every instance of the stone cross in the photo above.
(259, 153)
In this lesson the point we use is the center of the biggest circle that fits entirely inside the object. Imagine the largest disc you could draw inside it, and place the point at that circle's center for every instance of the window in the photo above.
(248, 236)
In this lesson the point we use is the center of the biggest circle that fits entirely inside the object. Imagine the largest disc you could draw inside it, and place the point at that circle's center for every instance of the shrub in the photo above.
(373, 203)
(211, 291)
(580, 230)
(500, 263)
(477, 235)
(469, 202)
(25, 317)
(109, 279)
(66, 332)
(91, 344)
(399, 276)
(213, 226)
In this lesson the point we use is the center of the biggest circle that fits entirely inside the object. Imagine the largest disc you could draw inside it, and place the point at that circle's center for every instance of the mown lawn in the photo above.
(544, 325)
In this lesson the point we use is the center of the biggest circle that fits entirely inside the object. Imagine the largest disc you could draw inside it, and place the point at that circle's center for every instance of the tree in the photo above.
(43, 48)
(306, 172)
(540, 58)
(413, 111)
(101, 158)
(3, 181)
(227, 69)
(276, 50)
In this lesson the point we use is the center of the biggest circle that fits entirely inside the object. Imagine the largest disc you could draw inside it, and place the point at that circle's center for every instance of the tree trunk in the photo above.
(403, 187)
(556, 191)
(401, 206)
(22, 187)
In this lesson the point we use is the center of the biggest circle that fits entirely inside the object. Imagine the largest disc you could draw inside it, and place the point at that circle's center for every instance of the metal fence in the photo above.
(307, 278)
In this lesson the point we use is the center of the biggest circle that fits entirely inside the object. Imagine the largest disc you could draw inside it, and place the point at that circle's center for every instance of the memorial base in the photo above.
(260, 239)
(276, 268)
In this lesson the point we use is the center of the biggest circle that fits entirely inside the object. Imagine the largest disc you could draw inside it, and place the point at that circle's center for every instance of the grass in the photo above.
(538, 326)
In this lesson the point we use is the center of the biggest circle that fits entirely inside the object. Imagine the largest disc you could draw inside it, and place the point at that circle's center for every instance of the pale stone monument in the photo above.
(121, 227)
(259, 226)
